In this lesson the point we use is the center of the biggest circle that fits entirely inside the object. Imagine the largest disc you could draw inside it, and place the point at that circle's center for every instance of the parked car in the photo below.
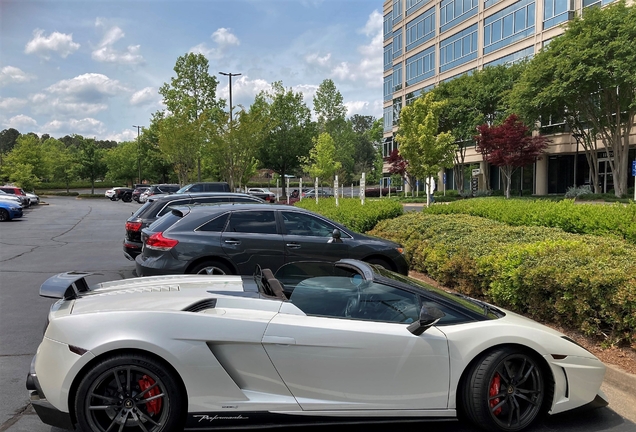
(311, 193)
(9, 210)
(10, 197)
(18, 192)
(158, 189)
(138, 191)
(159, 205)
(119, 193)
(263, 193)
(33, 198)
(344, 342)
(205, 187)
(232, 239)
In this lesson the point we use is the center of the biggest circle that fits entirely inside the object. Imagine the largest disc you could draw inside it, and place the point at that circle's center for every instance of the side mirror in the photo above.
(335, 236)
(429, 316)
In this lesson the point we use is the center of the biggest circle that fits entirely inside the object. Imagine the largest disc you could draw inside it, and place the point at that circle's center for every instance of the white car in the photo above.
(33, 198)
(320, 342)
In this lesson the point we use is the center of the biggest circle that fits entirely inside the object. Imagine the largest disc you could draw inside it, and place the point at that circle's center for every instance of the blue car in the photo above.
(9, 210)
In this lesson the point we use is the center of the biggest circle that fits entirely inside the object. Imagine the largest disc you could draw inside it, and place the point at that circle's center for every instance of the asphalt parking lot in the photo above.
(86, 235)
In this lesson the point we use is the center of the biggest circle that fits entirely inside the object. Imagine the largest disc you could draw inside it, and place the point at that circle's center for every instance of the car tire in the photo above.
(113, 392)
(380, 262)
(126, 198)
(506, 390)
(211, 268)
(4, 215)
(113, 198)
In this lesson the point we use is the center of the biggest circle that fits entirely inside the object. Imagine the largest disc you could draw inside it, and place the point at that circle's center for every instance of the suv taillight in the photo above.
(133, 226)
(158, 242)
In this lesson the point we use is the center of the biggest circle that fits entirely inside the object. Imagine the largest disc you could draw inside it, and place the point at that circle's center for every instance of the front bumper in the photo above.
(43, 408)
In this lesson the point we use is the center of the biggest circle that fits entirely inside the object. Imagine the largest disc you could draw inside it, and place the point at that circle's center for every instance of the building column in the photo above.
(541, 176)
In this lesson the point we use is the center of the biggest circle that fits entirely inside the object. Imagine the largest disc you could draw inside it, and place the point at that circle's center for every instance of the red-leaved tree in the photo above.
(398, 165)
(509, 146)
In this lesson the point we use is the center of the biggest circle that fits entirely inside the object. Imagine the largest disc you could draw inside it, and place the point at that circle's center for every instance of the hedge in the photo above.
(583, 282)
(597, 219)
(352, 214)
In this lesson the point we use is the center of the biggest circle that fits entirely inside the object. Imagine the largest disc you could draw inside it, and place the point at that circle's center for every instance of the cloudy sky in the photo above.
(94, 67)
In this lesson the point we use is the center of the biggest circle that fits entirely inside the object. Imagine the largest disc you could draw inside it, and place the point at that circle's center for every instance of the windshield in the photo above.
(185, 188)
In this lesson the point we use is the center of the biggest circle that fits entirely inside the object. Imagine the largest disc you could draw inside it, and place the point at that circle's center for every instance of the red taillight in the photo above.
(133, 226)
(158, 242)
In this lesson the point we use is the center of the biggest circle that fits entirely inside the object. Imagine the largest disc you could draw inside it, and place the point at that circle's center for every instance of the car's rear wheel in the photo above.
(505, 390)
(4, 215)
(130, 393)
(126, 197)
(211, 268)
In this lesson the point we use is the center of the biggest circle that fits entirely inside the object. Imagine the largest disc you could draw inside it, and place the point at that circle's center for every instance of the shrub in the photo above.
(581, 281)
(352, 214)
(575, 192)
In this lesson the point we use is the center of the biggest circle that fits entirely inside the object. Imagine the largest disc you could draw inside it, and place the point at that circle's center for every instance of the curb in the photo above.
(620, 379)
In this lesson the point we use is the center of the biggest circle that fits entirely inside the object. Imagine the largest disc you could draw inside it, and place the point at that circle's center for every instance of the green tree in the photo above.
(155, 165)
(61, 161)
(289, 131)
(588, 74)
(178, 144)
(90, 159)
(27, 151)
(121, 162)
(419, 140)
(8, 138)
(191, 97)
(321, 161)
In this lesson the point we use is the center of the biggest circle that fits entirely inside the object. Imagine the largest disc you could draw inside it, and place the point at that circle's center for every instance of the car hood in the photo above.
(157, 293)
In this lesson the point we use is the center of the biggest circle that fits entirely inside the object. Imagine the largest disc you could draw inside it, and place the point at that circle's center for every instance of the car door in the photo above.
(252, 237)
(310, 238)
(331, 359)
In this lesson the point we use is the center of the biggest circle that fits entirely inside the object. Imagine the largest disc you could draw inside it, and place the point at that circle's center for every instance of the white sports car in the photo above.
(319, 343)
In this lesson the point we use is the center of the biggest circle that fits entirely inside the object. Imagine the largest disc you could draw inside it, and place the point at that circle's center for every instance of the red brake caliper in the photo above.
(154, 406)
(495, 385)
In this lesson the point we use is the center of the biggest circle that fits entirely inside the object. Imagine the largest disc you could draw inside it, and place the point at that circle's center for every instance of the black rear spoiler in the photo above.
(67, 285)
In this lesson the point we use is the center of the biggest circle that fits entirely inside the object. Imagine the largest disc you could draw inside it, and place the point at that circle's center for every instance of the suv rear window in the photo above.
(164, 222)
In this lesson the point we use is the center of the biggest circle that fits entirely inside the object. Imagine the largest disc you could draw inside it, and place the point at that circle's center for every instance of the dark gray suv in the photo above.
(157, 207)
(234, 238)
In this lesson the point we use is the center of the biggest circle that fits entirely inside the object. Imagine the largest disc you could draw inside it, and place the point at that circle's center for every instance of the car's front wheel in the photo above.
(130, 392)
(505, 391)
(4, 215)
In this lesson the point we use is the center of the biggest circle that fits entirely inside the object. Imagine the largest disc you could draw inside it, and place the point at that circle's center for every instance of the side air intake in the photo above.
(201, 305)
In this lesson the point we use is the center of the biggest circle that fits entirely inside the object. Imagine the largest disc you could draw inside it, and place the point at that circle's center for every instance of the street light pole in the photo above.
(138, 152)
(230, 75)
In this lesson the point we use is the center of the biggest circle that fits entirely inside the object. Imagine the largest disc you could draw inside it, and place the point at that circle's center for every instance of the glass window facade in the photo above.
(397, 43)
(458, 49)
(453, 12)
(388, 88)
(388, 25)
(468, 72)
(388, 57)
(489, 3)
(397, 77)
(421, 29)
(509, 25)
(397, 11)
(411, 96)
(513, 58)
(413, 5)
(397, 107)
(420, 67)
(556, 12)
(388, 118)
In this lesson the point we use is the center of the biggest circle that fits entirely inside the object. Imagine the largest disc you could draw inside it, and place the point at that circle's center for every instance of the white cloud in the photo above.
(224, 38)
(356, 107)
(242, 89)
(86, 126)
(60, 43)
(125, 135)
(145, 96)
(12, 104)
(374, 24)
(315, 59)
(308, 91)
(107, 53)
(21, 122)
(342, 72)
(14, 75)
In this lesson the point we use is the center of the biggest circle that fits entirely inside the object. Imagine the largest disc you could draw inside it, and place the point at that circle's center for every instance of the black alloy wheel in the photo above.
(129, 393)
(4, 215)
(505, 391)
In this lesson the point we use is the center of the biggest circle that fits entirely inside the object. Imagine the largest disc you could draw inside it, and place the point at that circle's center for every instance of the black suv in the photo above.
(160, 205)
(205, 187)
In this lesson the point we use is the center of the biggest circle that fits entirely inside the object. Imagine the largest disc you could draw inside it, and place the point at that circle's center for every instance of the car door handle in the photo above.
(233, 242)
(293, 245)
(278, 340)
